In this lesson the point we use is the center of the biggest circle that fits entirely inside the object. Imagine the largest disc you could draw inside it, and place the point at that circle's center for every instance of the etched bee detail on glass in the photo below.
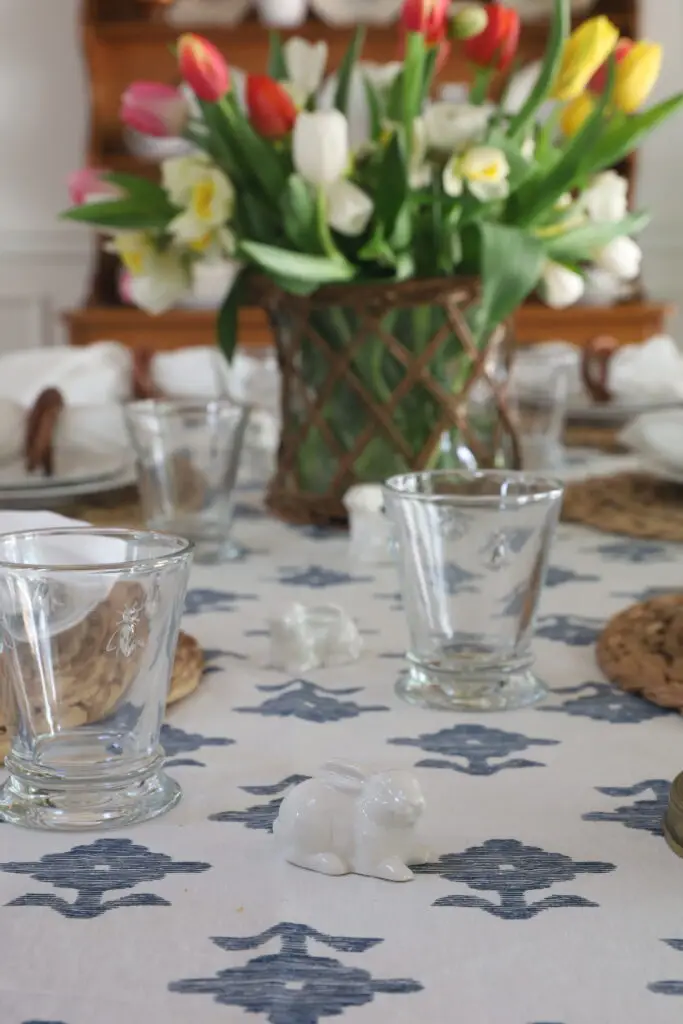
(126, 639)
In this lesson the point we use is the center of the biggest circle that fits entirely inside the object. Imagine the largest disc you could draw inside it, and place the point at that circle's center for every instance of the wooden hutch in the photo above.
(129, 39)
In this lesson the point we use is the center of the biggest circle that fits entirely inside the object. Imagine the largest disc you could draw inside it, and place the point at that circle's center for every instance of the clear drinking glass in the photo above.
(472, 550)
(538, 395)
(188, 455)
(89, 623)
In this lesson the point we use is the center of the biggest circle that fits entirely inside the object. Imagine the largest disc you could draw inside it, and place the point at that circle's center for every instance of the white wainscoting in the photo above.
(44, 266)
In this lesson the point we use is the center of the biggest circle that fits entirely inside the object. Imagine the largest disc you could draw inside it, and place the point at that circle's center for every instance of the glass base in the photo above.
(35, 800)
(450, 692)
(216, 552)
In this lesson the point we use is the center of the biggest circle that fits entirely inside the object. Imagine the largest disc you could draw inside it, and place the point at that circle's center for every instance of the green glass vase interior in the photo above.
(379, 379)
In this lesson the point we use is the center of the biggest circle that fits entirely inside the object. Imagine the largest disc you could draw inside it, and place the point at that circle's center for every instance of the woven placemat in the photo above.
(632, 504)
(188, 669)
(641, 650)
(589, 435)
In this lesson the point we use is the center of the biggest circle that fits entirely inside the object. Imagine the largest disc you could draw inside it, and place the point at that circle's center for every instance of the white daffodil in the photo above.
(452, 127)
(484, 169)
(135, 249)
(305, 64)
(164, 282)
(560, 286)
(606, 199)
(380, 77)
(206, 194)
(349, 208)
(322, 156)
(621, 257)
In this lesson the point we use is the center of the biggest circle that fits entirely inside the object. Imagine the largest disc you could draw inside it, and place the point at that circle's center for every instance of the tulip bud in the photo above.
(89, 186)
(428, 17)
(496, 45)
(468, 22)
(575, 113)
(320, 148)
(271, 108)
(637, 76)
(154, 109)
(203, 67)
(621, 257)
(560, 287)
(585, 51)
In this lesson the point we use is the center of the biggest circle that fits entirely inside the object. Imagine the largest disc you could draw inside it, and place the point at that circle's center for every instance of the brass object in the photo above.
(673, 821)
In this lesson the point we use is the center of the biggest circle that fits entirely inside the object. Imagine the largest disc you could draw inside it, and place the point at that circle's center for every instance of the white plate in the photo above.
(618, 411)
(50, 497)
(72, 466)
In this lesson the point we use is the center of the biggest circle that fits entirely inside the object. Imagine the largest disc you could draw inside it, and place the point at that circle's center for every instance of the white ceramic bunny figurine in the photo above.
(348, 821)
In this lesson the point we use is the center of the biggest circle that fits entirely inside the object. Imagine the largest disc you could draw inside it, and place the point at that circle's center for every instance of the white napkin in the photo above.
(657, 436)
(651, 371)
(192, 373)
(87, 375)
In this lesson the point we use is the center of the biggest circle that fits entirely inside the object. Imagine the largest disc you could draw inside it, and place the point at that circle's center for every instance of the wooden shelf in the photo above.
(629, 322)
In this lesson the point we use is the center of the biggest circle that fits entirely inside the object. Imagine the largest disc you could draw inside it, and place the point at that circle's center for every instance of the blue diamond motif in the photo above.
(669, 988)
(310, 702)
(261, 816)
(604, 703)
(201, 600)
(478, 749)
(642, 815)
(318, 578)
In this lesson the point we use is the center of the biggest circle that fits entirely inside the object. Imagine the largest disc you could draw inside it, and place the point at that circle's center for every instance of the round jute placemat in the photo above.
(91, 703)
(632, 504)
(588, 435)
(641, 650)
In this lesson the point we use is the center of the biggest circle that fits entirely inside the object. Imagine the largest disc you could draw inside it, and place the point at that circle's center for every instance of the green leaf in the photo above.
(378, 250)
(227, 318)
(259, 158)
(539, 193)
(141, 191)
(374, 108)
(624, 135)
(405, 266)
(277, 65)
(345, 73)
(293, 286)
(392, 183)
(395, 100)
(582, 242)
(561, 25)
(295, 265)
(429, 71)
(412, 82)
(299, 214)
(402, 235)
(511, 266)
(121, 215)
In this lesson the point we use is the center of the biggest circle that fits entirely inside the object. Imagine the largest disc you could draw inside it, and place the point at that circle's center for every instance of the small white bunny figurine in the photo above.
(347, 821)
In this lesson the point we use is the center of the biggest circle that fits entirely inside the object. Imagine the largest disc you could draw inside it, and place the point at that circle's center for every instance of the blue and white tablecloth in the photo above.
(554, 897)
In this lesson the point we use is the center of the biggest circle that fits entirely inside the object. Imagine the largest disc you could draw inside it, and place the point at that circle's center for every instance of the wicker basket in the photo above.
(379, 379)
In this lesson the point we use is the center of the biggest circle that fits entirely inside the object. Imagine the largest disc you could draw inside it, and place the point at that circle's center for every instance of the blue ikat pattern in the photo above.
(669, 988)
(261, 816)
(645, 815)
(311, 702)
(604, 703)
(475, 749)
(293, 986)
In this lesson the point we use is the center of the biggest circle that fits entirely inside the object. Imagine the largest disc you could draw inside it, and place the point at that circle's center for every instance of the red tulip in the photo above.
(428, 17)
(271, 109)
(154, 109)
(497, 44)
(203, 67)
(598, 82)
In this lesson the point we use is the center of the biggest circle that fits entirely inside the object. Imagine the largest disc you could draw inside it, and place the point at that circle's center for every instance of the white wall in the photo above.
(44, 264)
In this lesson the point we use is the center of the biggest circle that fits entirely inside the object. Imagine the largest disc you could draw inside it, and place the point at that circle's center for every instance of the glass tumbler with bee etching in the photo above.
(89, 622)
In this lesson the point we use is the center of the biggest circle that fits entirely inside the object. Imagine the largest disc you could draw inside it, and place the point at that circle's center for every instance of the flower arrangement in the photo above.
(362, 177)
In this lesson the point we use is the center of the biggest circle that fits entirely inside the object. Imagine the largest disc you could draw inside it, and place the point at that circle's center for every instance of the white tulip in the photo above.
(453, 185)
(380, 76)
(349, 209)
(305, 64)
(621, 257)
(486, 170)
(606, 199)
(452, 127)
(320, 146)
(162, 285)
(560, 287)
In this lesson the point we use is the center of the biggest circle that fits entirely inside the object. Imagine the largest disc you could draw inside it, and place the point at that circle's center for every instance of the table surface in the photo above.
(553, 896)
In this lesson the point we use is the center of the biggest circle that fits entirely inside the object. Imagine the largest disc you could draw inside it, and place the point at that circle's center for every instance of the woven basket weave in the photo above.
(368, 389)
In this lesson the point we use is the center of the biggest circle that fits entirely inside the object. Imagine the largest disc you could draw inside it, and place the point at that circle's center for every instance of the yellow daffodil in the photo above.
(135, 249)
(637, 76)
(585, 51)
(205, 195)
(484, 169)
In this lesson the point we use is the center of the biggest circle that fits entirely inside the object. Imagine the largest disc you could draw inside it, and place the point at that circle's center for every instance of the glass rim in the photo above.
(172, 406)
(550, 488)
(184, 548)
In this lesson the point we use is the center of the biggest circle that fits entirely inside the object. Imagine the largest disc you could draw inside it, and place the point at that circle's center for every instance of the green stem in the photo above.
(480, 87)
(327, 242)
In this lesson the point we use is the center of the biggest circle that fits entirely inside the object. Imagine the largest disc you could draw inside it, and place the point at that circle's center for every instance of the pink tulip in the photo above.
(89, 184)
(153, 108)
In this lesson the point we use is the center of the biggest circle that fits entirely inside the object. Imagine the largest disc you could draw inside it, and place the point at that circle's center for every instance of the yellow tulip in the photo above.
(585, 51)
(637, 75)
(575, 113)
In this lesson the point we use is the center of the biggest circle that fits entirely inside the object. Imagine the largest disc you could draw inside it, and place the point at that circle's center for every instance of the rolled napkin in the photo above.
(658, 437)
(12, 430)
(87, 375)
(652, 371)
